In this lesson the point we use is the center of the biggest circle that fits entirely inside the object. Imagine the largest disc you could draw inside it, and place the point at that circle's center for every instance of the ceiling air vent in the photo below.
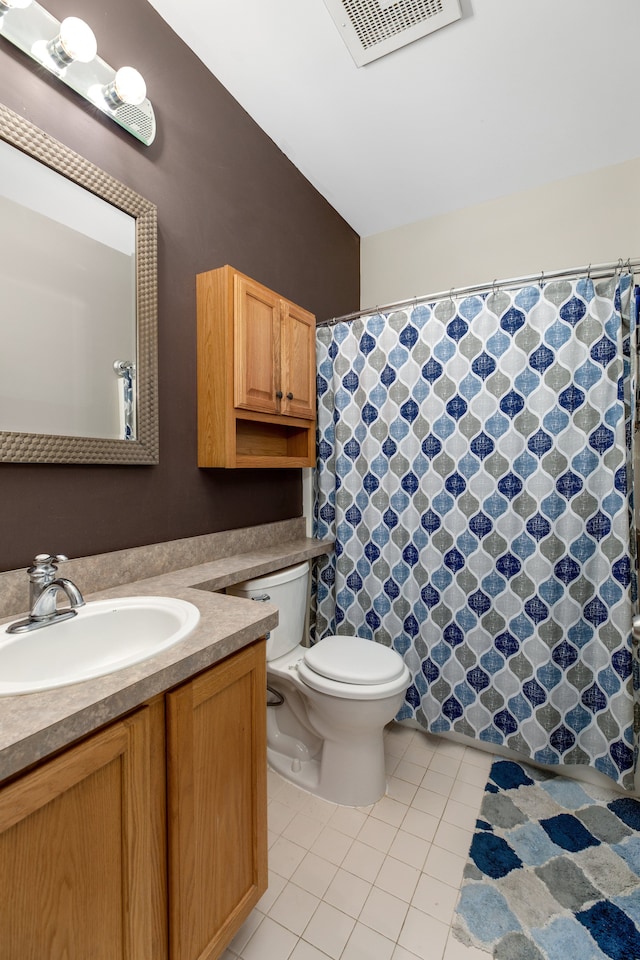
(373, 28)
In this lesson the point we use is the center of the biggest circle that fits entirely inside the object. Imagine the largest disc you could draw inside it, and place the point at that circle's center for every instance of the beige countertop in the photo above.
(32, 726)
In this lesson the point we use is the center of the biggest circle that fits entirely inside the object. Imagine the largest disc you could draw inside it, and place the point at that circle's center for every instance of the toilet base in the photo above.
(361, 780)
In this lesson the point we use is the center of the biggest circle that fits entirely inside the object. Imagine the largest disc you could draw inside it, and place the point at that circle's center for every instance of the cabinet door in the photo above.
(256, 346)
(217, 803)
(298, 362)
(78, 867)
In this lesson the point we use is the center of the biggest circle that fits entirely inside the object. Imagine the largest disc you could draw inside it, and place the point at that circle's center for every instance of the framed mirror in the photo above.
(78, 307)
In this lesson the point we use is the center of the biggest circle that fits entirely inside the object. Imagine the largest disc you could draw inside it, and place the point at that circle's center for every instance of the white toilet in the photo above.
(328, 704)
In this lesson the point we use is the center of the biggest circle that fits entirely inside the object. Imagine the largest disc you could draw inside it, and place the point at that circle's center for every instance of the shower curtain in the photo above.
(475, 470)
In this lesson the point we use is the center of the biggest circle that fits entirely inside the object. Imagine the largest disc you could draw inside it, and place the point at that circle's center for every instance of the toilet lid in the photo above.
(354, 660)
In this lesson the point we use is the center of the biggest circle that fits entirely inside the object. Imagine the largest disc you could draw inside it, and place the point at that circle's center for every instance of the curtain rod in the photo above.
(593, 271)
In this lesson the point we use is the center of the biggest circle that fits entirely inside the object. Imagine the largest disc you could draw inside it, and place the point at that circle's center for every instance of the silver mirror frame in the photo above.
(42, 448)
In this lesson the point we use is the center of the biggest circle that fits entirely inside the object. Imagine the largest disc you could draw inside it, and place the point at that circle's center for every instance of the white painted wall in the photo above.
(590, 218)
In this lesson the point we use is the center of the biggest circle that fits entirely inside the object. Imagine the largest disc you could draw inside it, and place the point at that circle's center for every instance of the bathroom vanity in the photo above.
(162, 813)
(133, 805)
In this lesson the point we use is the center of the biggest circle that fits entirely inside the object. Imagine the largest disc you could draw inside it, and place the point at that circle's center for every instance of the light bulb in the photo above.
(76, 41)
(127, 86)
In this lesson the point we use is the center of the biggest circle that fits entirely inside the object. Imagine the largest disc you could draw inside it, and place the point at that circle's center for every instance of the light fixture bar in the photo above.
(120, 94)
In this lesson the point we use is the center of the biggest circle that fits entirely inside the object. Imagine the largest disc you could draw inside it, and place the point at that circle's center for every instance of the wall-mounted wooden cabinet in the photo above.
(98, 842)
(256, 375)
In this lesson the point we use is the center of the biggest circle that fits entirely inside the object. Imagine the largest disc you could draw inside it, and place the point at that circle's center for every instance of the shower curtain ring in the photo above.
(494, 287)
(541, 280)
(589, 272)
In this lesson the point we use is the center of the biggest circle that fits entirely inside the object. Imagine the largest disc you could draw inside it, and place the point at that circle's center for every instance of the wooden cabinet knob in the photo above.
(289, 396)
(279, 394)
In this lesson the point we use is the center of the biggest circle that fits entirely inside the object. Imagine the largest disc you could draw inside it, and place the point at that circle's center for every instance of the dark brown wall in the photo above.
(225, 194)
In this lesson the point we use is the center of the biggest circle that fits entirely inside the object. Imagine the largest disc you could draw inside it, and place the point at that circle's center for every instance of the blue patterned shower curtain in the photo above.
(474, 467)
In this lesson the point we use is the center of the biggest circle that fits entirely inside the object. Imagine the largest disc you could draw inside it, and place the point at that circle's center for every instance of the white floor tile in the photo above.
(437, 782)
(273, 891)
(329, 930)
(294, 908)
(429, 802)
(303, 830)
(305, 951)
(459, 951)
(245, 932)
(410, 849)
(450, 748)
(377, 834)
(285, 857)
(471, 774)
(413, 772)
(348, 820)
(348, 893)
(332, 845)
(420, 929)
(453, 838)
(436, 898)
(421, 824)
(270, 942)
(460, 814)
(364, 861)
(365, 944)
(442, 763)
(389, 811)
(419, 753)
(384, 913)
(279, 816)
(314, 874)
(478, 758)
(319, 809)
(398, 878)
(445, 866)
(401, 954)
(467, 793)
(371, 883)
(401, 790)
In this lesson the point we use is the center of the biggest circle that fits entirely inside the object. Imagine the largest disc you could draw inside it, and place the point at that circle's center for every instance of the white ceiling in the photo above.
(516, 94)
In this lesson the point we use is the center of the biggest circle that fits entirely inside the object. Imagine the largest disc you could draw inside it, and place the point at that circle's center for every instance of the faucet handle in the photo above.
(45, 565)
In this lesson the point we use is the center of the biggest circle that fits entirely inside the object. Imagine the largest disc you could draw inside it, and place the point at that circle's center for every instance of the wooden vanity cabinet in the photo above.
(217, 771)
(141, 844)
(82, 850)
(256, 375)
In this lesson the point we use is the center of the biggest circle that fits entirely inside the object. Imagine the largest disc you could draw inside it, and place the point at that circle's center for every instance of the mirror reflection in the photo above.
(67, 277)
(77, 307)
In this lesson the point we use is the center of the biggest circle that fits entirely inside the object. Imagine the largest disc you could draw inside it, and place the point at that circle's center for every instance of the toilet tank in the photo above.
(288, 591)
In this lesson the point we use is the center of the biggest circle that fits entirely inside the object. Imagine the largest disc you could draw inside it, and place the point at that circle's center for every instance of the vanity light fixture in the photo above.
(76, 41)
(69, 51)
(12, 5)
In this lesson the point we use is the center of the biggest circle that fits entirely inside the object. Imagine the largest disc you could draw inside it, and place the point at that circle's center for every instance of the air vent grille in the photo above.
(373, 28)
(374, 21)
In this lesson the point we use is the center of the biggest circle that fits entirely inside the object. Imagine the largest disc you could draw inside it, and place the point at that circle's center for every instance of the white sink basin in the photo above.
(104, 636)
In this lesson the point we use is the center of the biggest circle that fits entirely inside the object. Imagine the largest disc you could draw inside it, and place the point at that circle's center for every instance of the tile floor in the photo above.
(371, 883)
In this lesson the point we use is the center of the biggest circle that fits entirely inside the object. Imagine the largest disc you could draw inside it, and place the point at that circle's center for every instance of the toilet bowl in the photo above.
(327, 704)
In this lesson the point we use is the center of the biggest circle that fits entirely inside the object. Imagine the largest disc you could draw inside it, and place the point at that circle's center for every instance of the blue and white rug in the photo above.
(553, 871)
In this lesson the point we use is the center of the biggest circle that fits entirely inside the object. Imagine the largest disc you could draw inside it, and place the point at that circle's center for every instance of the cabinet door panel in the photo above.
(298, 362)
(257, 347)
(217, 803)
(77, 878)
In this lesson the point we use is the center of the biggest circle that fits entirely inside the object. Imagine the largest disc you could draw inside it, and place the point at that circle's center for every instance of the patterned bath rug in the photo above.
(553, 871)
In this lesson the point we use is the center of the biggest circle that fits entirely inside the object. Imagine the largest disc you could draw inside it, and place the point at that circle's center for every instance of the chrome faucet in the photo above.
(44, 587)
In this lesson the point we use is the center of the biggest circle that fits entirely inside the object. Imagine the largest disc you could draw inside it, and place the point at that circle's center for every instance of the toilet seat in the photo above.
(353, 660)
(352, 668)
